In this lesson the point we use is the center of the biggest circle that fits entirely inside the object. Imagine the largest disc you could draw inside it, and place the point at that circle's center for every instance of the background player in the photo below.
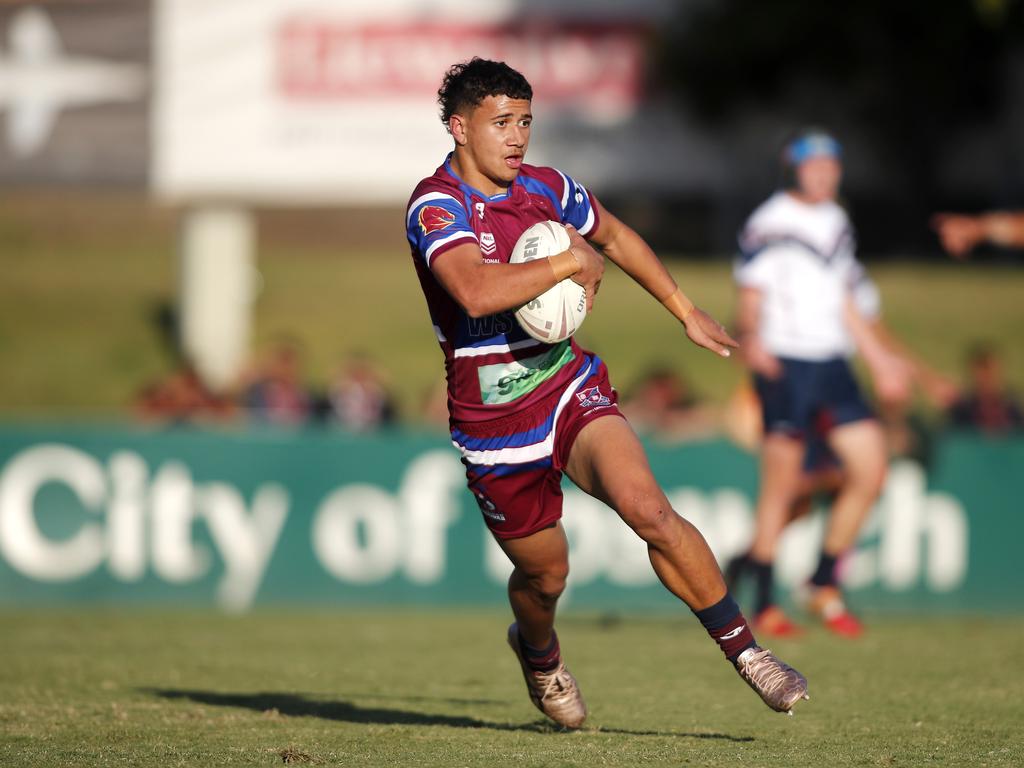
(523, 412)
(799, 320)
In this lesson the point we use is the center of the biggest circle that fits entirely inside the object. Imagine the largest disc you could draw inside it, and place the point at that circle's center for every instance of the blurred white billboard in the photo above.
(328, 102)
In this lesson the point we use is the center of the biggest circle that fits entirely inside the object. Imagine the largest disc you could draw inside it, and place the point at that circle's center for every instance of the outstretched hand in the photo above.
(958, 233)
(704, 331)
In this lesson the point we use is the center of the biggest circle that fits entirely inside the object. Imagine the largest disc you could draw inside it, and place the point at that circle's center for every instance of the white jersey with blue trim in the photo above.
(802, 258)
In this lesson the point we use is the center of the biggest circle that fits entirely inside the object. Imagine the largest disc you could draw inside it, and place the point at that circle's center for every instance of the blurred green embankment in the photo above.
(85, 279)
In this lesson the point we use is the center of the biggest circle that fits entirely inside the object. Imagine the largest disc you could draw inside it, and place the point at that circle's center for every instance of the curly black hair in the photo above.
(469, 83)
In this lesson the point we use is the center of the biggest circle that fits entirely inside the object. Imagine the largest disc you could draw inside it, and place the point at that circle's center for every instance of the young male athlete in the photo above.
(523, 412)
(804, 304)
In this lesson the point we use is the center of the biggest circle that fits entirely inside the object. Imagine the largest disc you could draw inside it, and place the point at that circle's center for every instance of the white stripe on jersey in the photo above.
(438, 243)
(565, 190)
(589, 223)
(527, 453)
(492, 349)
(426, 199)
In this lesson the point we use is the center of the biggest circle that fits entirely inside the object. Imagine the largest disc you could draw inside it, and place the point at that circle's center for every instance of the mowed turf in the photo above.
(419, 689)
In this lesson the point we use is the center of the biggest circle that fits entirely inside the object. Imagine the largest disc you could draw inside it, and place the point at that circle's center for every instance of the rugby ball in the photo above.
(557, 313)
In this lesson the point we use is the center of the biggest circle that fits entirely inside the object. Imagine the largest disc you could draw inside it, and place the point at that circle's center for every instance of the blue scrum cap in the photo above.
(812, 144)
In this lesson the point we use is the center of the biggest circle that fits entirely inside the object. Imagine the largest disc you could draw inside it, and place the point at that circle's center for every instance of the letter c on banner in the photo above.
(21, 542)
(336, 534)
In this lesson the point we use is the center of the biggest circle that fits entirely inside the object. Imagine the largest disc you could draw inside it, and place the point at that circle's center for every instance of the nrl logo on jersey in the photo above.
(592, 398)
(434, 218)
(487, 244)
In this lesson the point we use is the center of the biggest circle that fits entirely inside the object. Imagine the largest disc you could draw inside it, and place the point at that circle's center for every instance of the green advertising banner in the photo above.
(248, 518)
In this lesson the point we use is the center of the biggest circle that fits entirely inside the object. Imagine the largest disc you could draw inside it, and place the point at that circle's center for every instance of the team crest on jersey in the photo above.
(480, 210)
(487, 244)
(592, 398)
(434, 218)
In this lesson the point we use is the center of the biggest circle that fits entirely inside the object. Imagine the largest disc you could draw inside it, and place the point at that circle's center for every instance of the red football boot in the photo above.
(773, 622)
(827, 604)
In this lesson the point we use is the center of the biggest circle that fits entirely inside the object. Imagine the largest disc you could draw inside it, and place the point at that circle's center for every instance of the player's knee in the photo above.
(653, 520)
(869, 478)
(877, 476)
(549, 584)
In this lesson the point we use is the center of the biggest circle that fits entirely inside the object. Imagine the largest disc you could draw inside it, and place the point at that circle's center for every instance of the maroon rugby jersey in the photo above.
(493, 367)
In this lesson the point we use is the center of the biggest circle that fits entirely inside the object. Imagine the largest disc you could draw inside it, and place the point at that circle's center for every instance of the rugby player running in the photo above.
(523, 412)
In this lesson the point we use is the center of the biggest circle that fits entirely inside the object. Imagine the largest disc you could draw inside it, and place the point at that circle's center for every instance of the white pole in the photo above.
(216, 291)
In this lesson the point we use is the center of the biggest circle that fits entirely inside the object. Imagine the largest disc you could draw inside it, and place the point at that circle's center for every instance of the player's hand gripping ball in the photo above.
(557, 313)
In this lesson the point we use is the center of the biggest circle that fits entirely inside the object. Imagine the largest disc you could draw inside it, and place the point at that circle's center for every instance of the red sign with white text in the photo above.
(327, 59)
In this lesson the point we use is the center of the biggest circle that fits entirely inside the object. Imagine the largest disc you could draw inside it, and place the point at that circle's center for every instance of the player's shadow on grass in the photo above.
(295, 705)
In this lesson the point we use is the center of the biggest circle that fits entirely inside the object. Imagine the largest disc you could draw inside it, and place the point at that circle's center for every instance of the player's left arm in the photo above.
(631, 253)
(890, 373)
(939, 388)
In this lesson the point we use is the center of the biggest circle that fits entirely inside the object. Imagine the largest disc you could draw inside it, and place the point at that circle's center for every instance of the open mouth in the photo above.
(514, 161)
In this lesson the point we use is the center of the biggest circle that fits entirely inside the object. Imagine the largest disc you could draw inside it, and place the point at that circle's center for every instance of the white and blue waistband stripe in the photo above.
(523, 447)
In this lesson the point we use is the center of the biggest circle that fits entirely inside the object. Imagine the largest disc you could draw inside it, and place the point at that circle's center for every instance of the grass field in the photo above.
(83, 278)
(411, 689)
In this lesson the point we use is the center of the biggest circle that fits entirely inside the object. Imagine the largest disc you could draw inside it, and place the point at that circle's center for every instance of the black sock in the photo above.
(735, 570)
(764, 585)
(825, 575)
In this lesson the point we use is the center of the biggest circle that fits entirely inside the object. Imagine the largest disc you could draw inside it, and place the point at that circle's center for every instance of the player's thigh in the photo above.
(608, 462)
(544, 553)
(860, 446)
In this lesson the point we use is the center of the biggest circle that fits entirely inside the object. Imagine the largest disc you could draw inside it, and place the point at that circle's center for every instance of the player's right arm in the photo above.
(483, 289)
(754, 276)
(748, 319)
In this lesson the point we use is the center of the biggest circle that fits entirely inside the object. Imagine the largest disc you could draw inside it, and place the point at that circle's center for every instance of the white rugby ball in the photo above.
(557, 313)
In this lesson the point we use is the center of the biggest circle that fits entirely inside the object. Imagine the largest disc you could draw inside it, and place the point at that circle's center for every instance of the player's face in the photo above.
(497, 134)
(818, 178)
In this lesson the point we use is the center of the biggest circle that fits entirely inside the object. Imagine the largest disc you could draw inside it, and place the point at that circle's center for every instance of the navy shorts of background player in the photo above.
(810, 398)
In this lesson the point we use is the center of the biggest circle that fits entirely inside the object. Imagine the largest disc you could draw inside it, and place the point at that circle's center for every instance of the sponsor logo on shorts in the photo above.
(488, 508)
(592, 398)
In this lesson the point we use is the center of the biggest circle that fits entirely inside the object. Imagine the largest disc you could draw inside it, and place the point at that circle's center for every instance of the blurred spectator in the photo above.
(275, 393)
(661, 403)
(182, 398)
(358, 397)
(986, 405)
(961, 233)
(434, 406)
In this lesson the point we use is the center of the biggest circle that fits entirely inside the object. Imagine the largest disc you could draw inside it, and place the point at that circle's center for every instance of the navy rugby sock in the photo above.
(825, 575)
(542, 659)
(725, 623)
